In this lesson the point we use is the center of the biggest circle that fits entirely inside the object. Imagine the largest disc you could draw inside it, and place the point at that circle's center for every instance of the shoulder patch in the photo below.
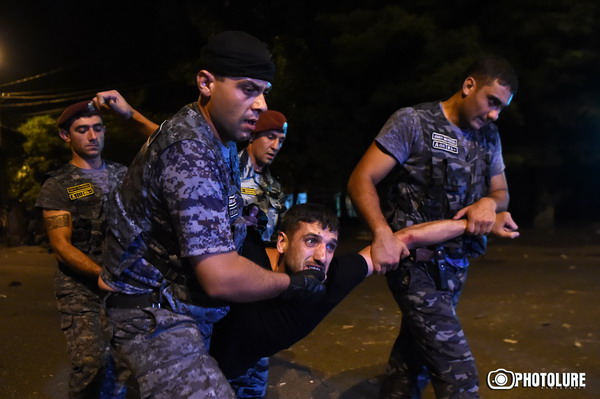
(249, 191)
(79, 191)
(444, 143)
(232, 207)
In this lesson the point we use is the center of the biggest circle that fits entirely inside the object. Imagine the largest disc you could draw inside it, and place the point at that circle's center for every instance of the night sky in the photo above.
(346, 69)
(82, 47)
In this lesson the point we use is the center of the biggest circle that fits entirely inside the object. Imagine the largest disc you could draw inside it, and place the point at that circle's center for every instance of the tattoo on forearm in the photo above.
(55, 222)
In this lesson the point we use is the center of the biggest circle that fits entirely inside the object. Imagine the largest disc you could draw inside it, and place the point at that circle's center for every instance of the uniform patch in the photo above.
(249, 191)
(232, 207)
(80, 191)
(444, 143)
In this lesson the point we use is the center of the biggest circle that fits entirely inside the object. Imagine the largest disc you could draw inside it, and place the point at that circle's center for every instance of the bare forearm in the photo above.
(501, 198)
(364, 196)
(498, 192)
(431, 233)
(59, 230)
(76, 260)
(234, 278)
(142, 124)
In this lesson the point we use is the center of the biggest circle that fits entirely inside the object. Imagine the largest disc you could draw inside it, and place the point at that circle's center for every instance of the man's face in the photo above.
(264, 146)
(86, 137)
(309, 247)
(483, 104)
(235, 104)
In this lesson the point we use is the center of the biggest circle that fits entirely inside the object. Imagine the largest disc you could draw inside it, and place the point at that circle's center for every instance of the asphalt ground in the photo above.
(530, 306)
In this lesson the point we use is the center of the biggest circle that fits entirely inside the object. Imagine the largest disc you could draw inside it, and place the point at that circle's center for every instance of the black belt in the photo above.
(437, 266)
(115, 300)
(423, 254)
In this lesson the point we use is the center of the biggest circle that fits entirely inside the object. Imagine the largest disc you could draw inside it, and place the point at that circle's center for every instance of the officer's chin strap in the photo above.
(440, 260)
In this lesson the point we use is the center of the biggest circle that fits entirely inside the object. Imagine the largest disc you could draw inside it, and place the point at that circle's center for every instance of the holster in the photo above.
(436, 264)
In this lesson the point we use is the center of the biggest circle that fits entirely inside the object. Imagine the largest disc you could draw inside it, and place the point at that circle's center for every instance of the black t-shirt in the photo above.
(254, 330)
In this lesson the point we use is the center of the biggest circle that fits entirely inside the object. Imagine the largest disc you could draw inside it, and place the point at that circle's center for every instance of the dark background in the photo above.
(343, 68)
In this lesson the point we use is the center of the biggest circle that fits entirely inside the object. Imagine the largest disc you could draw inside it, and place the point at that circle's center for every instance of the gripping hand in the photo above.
(306, 285)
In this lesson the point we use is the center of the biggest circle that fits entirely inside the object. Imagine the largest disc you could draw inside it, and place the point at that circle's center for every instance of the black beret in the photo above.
(237, 54)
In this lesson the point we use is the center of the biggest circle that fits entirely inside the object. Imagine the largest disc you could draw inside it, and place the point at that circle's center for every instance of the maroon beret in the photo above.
(271, 120)
(80, 108)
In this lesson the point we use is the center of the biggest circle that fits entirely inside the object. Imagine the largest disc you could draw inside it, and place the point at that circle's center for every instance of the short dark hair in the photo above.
(492, 67)
(309, 213)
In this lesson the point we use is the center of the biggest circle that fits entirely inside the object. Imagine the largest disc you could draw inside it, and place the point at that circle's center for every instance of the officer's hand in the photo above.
(505, 226)
(306, 285)
(114, 102)
(481, 216)
(386, 252)
(255, 217)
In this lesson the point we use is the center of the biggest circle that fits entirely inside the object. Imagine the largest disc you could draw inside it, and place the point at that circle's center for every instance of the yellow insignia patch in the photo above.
(248, 191)
(79, 191)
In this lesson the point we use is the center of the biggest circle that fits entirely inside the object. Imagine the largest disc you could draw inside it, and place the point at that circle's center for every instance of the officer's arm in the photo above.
(114, 102)
(231, 277)
(481, 214)
(59, 230)
(431, 233)
(370, 170)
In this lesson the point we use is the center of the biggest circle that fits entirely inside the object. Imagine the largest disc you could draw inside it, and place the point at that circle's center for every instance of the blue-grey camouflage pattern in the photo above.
(180, 198)
(441, 169)
(167, 351)
(431, 342)
(262, 189)
(78, 298)
(253, 383)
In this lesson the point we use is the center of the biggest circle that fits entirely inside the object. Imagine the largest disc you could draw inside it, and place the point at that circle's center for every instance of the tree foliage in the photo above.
(345, 66)
(42, 150)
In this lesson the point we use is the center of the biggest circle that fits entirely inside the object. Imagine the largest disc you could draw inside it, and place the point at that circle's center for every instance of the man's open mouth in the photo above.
(316, 268)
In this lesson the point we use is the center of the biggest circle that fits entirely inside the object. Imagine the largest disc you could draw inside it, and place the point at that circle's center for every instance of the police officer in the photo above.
(258, 185)
(447, 162)
(172, 263)
(74, 202)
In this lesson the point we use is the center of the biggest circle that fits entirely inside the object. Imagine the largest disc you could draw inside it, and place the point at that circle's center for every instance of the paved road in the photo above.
(530, 306)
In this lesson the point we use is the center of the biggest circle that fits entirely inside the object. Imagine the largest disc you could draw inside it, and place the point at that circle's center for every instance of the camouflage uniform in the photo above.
(179, 199)
(441, 169)
(262, 189)
(253, 383)
(85, 195)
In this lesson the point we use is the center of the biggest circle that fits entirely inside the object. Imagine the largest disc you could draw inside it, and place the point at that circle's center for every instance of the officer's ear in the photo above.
(205, 81)
(64, 135)
(282, 242)
(469, 86)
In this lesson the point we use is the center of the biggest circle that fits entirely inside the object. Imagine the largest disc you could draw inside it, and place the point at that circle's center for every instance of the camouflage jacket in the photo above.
(262, 189)
(88, 204)
(180, 198)
(444, 169)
